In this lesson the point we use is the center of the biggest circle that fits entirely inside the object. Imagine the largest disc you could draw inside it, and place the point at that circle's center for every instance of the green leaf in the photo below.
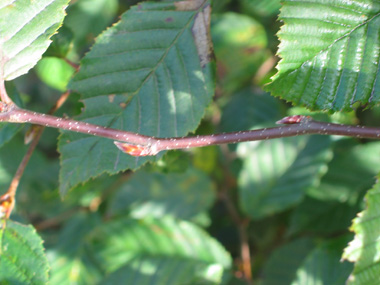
(72, 259)
(260, 8)
(147, 74)
(248, 109)
(25, 29)
(182, 195)
(282, 265)
(351, 172)
(119, 242)
(55, 72)
(167, 271)
(329, 52)
(62, 43)
(88, 18)
(277, 173)
(321, 216)
(364, 249)
(239, 43)
(22, 257)
(323, 265)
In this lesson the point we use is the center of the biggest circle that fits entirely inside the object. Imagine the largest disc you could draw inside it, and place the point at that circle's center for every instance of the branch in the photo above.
(141, 145)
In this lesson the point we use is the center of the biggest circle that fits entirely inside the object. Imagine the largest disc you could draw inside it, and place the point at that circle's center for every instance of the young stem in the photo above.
(141, 145)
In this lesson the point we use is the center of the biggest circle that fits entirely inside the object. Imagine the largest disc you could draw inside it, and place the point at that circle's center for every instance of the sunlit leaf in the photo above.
(323, 265)
(54, 72)
(25, 29)
(330, 54)
(167, 271)
(120, 242)
(151, 74)
(364, 249)
(22, 257)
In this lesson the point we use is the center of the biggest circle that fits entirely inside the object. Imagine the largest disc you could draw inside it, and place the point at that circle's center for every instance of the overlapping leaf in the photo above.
(330, 54)
(25, 29)
(364, 249)
(149, 74)
(276, 173)
(22, 258)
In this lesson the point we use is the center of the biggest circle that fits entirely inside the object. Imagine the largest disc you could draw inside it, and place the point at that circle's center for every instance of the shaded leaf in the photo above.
(88, 18)
(329, 52)
(25, 29)
(364, 249)
(248, 109)
(283, 263)
(62, 43)
(22, 257)
(321, 216)
(182, 195)
(119, 242)
(277, 173)
(143, 75)
(72, 260)
(351, 172)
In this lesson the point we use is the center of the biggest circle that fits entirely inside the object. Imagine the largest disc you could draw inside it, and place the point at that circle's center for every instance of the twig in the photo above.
(72, 64)
(241, 223)
(141, 145)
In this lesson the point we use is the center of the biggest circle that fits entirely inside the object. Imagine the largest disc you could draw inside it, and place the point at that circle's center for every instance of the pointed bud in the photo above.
(133, 149)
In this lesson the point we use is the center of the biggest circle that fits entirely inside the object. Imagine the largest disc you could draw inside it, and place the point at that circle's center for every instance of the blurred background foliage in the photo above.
(295, 198)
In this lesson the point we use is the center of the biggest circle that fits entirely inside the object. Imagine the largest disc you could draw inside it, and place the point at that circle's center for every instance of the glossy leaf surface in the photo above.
(329, 54)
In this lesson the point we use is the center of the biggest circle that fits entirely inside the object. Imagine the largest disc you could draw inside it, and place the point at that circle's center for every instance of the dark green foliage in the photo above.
(182, 217)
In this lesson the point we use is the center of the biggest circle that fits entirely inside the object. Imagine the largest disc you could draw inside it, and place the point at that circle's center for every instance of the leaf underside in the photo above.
(147, 74)
(25, 30)
(329, 54)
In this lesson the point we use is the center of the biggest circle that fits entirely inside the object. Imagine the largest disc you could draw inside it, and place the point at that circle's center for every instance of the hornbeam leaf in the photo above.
(154, 242)
(364, 249)
(151, 73)
(25, 30)
(330, 54)
(277, 173)
(22, 257)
